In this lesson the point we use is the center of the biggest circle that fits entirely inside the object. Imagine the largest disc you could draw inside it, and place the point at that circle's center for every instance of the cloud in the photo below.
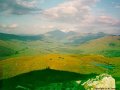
(18, 6)
(101, 23)
(10, 26)
(71, 15)
(70, 11)
(13, 26)
(116, 5)
(102, 20)
(108, 20)
(77, 15)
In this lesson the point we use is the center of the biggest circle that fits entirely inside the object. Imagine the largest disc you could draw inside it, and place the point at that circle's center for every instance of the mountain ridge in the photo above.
(4, 36)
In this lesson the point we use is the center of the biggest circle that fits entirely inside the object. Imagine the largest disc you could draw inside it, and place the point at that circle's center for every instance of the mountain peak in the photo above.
(57, 34)
(55, 31)
(71, 32)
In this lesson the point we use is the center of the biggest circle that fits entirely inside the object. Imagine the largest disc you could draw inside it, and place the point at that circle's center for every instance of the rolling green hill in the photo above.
(107, 46)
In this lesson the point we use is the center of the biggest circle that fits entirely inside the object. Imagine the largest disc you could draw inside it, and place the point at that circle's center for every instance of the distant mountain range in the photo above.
(69, 37)
(74, 37)
(59, 42)
(88, 37)
(4, 36)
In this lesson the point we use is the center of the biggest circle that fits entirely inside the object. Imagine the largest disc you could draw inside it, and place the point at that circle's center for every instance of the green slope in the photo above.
(107, 46)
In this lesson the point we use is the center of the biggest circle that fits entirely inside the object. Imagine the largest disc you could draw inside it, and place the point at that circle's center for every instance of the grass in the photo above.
(74, 63)
(54, 68)
(108, 46)
(4, 51)
(20, 57)
(42, 78)
(111, 53)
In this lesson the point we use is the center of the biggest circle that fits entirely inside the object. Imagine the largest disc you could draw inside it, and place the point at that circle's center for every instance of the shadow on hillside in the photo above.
(41, 78)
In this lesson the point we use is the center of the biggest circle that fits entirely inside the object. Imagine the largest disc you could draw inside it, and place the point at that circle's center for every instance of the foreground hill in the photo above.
(44, 80)
(23, 71)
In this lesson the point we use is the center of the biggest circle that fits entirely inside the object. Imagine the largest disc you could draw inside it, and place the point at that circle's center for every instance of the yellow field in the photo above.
(74, 63)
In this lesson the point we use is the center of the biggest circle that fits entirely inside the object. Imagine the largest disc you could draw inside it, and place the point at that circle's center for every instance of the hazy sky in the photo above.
(40, 16)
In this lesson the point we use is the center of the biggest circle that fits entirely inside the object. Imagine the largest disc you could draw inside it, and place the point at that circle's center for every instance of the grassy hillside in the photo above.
(87, 37)
(26, 48)
(84, 64)
(107, 46)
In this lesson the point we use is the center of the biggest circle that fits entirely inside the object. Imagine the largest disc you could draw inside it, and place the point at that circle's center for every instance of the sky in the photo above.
(41, 16)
